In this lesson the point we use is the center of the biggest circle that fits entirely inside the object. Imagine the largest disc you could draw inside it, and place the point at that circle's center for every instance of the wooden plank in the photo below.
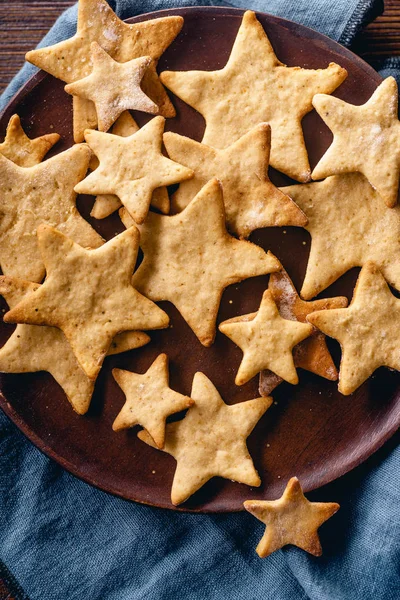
(24, 23)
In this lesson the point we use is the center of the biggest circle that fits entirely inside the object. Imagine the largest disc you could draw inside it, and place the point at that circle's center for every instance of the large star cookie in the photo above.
(132, 167)
(266, 340)
(251, 200)
(88, 295)
(149, 399)
(33, 348)
(366, 139)
(252, 88)
(70, 60)
(349, 225)
(105, 205)
(311, 354)
(368, 330)
(189, 259)
(113, 87)
(43, 193)
(291, 520)
(211, 440)
(23, 151)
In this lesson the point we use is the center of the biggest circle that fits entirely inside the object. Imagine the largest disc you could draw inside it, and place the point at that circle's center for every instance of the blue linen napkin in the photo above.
(61, 539)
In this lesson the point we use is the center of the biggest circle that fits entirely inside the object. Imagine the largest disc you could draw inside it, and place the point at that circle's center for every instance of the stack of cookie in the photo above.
(77, 298)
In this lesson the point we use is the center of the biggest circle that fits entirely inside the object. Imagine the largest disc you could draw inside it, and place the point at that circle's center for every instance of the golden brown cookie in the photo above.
(255, 87)
(149, 399)
(251, 200)
(267, 341)
(132, 167)
(189, 259)
(366, 139)
(43, 193)
(368, 330)
(291, 520)
(113, 87)
(23, 151)
(105, 205)
(88, 295)
(211, 440)
(31, 348)
(70, 60)
(349, 225)
(311, 354)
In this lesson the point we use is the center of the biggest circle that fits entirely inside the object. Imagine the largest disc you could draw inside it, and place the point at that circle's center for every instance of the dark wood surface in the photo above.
(24, 23)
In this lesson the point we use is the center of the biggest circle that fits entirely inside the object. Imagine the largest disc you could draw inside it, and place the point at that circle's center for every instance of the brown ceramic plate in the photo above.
(311, 430)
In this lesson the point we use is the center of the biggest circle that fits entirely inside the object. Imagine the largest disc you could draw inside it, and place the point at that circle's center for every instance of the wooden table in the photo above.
(24, 23)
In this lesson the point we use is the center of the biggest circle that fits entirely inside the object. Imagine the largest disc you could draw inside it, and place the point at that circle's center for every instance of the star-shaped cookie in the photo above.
(252, 88)
(251, 200)
(43, 193)
(366, 139)
(149, 399)
(311, 354)
(105, 205)
(88, 295)
(349, 225)
(113, 87)
(368, 330)
(266, 340)
(189, 259)
(23, 151)
(32, 348)
(70, 60)
(132, 167)
(291, 520)
(211, 440)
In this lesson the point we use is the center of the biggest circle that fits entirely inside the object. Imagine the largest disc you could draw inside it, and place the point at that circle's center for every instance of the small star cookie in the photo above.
(251, 200)
(368, 330)
(88, 295)
(23, 151)
(113, 87)
(366, 139)
(189, 259)
(44, 193)
(105, 205)
(132, 167)
(291, 520)
(311, 354)
(70, 60)
(255, 87)
(149, 400)
(32, 348)
(266, 340)
(211, 440)
(349, 225)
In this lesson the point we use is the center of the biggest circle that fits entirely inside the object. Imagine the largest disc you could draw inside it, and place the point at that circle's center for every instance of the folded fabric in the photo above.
(62, 539)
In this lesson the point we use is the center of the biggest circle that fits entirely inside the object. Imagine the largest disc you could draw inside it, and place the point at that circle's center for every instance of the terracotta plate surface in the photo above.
(311, 430)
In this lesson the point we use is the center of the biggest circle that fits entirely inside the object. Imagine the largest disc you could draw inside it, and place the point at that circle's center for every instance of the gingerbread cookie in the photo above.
(366, 139)
(291, 520)
(368, 330)
(211, 440)
(189, 259)
(255, 87)
(113, 87)
(251, 200)
(70, 60)
(23, 151)
(267, 341)
(88, 295)
(149, 399)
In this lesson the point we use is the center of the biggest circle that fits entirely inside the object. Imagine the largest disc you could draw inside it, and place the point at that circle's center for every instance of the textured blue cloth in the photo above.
(60, 539)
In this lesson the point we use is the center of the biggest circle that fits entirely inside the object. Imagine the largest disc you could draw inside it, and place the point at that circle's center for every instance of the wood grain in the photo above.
(24, 23)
